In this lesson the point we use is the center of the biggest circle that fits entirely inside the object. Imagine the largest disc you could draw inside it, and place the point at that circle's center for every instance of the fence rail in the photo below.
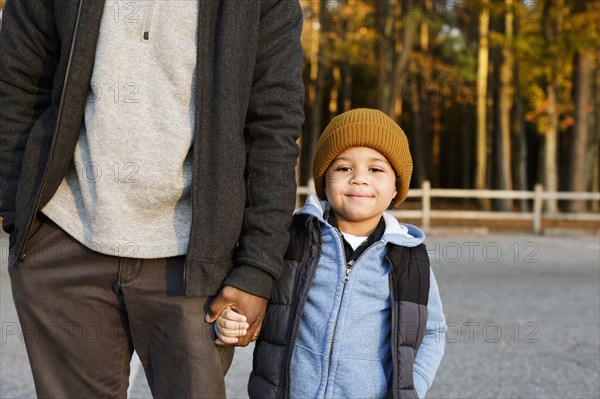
(538, 196)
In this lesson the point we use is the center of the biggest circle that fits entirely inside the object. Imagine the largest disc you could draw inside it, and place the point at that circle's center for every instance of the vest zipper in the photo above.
(148, 20)
(392, 331)
(291, 325)
(312, 253)
(21, 255)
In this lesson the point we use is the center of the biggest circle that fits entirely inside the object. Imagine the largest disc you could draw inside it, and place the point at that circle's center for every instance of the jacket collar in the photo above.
(402, 234)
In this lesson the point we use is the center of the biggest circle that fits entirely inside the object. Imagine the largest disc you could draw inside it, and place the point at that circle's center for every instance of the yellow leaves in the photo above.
(544, 108)
(341, 31)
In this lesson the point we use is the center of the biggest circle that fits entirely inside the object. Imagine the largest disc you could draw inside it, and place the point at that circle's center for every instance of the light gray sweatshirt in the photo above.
(127, 192)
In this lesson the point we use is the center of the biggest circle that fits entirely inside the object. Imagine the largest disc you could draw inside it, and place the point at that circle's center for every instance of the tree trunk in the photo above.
(417, 133)
(401, 63)
(436, 142)
(346, 86)
(579, 144)
(319, 85)
(434, 105)
(345, 102)
(336, 87)
(550, 149)
(315, 98)
(423, 155)
(482, 76)
(467, 160)
(506, 96)
(522, 178)
(552, 25)
(594, 165)
(385, 18)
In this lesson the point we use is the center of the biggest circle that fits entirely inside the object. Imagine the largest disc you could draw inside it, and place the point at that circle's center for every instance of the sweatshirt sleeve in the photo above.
(431, 351)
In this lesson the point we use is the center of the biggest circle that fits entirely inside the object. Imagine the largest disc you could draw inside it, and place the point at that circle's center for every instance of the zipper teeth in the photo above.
(341, 237)
(337, 316)
(392, 332)
(364, 252)
(312, 254)
(56, 130)
(352, 262)
(291, 325)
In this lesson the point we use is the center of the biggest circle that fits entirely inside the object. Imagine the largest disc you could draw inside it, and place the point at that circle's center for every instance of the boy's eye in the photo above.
(342, 169)
(376, 170)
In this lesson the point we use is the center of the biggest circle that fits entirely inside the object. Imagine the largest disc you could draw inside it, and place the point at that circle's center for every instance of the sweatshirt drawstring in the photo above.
(148, 19)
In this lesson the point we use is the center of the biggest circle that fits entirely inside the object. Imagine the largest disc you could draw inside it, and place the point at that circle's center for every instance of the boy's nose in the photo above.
(358, 178)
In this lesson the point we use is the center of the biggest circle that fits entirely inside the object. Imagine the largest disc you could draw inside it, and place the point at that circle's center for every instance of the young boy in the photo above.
(356, 312)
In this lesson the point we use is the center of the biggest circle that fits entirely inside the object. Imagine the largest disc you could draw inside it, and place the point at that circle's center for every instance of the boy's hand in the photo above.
(230, 325)
(251, 306)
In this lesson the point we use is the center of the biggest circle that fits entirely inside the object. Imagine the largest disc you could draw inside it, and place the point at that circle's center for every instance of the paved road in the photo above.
(523, 313)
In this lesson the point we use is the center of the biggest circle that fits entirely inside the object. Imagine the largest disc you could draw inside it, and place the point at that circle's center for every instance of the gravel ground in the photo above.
(523, 315)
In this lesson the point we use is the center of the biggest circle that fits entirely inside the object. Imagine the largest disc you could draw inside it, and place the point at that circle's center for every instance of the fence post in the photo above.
(537, 208)
(426, 205)
(311, 185)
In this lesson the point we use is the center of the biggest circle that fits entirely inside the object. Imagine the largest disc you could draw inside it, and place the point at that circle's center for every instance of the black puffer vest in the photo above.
(409, 282)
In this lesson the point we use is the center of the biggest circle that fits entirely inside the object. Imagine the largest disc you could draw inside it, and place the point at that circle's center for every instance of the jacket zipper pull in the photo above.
(348, 270)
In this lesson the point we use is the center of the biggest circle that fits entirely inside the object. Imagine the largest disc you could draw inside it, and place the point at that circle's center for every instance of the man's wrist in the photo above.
(251, 280)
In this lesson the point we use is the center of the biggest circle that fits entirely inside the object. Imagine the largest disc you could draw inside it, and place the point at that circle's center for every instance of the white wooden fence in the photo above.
(426, 193)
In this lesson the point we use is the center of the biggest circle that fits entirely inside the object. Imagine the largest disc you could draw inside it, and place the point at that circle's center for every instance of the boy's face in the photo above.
(360, 185)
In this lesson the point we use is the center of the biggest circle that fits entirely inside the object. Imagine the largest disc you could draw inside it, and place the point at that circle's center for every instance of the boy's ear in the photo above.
(398, 182)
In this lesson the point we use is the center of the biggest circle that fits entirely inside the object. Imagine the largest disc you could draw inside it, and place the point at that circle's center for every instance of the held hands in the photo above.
(239, 314)
(229, 326)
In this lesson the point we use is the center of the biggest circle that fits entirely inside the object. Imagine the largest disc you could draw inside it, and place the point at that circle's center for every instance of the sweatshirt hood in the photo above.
(402, 234)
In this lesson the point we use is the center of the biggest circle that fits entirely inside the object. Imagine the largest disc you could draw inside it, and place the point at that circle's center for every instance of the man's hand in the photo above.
(251, 306)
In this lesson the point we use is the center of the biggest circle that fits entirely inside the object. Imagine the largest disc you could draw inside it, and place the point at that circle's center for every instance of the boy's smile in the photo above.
(360, 185)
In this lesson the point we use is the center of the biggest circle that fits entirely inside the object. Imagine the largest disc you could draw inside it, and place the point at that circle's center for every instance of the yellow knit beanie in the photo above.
(364, 127)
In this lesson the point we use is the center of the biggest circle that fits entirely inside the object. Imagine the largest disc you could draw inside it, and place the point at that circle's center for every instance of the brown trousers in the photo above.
(83, 313)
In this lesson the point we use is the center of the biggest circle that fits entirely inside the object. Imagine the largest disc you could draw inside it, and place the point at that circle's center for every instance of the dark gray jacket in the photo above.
(409, 287)
(248, 117)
